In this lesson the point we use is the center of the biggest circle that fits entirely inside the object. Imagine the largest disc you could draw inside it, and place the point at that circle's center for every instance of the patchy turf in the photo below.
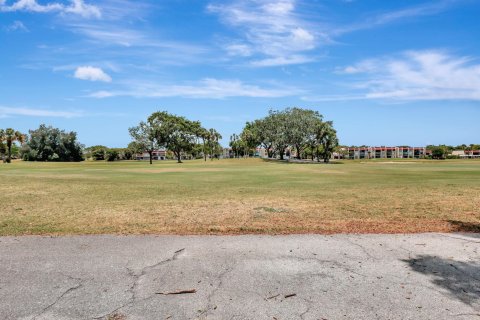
(239, 196)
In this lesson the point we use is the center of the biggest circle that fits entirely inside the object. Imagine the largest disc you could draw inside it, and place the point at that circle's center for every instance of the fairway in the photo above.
(239, 196)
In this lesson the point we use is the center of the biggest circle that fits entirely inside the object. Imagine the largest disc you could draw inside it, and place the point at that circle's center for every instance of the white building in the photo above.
(160, 154)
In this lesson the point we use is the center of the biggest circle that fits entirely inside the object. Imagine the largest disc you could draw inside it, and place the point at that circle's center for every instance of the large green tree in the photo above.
(176, 133)
(439, 152)
(52, 144)
(281, 130)
(144, 136)
(301, 123)
(250, 136)
(327, 141)
(279, 133)
(261, 132)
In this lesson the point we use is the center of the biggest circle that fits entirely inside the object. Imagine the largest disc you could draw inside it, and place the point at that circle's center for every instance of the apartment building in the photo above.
(387, 152)
(160, 154)
(466, 154)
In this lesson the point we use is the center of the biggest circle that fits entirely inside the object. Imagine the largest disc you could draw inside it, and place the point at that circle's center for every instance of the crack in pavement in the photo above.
(457, 238)
(466, 314)
(137, 277)
(69, 290)
(215, 290)
(368, 254)
(309, 307)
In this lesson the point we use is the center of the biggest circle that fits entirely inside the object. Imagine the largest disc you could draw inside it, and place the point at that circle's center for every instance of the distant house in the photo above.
(472, 154)
(160, 154)
(261, 152)
(227, 153)
(469, 154)
(387, 152)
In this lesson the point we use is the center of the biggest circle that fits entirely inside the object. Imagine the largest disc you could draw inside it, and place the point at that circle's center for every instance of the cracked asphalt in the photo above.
(420, 276)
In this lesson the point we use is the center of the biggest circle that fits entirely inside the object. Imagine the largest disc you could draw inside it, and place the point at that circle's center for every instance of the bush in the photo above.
(98, 154)
(111, 155)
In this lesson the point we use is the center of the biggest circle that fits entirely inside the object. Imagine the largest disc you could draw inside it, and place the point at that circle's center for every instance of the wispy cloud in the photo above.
(269, 28)
(92, 74)
(123, 38)
(125, 25)
(236, 49)
(114, 33)
(31, 112)
(205, 89)
(413, 75)
(275, 33)
(360, 67)
(425, 9)
(16, 26)
(281, 61)
(333, 98)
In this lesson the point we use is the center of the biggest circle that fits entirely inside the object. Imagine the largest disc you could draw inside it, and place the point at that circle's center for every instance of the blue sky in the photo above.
(386, 72)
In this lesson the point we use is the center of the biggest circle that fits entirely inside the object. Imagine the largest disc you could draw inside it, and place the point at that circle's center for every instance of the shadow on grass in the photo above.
(461, 226)
(461, 280)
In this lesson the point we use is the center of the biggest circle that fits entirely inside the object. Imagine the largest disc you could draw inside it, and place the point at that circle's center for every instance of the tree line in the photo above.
(177, 134)
(281, 131)
(443, 151)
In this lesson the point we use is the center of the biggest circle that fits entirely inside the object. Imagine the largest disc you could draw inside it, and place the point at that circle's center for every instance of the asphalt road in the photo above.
(423, 276)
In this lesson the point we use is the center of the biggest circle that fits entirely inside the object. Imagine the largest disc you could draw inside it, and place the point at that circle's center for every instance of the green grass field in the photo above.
(239, 196)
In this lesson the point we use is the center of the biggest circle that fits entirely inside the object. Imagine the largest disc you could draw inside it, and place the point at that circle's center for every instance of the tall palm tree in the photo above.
(204, 134)
(234, 138)
(10, 136)
(213, 137)
(2, 142)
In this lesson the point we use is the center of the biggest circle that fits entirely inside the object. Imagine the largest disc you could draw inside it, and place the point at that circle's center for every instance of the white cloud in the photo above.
(92, 74)
(85, 10)
(417, 75)
(78, 7)
(9, 111)
(16, 26)
(270, 28)
(363, 66)
(31, 5)
(277, 32)
(205, 89)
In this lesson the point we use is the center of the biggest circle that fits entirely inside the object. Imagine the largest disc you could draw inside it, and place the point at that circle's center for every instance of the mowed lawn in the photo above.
(239, 196)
